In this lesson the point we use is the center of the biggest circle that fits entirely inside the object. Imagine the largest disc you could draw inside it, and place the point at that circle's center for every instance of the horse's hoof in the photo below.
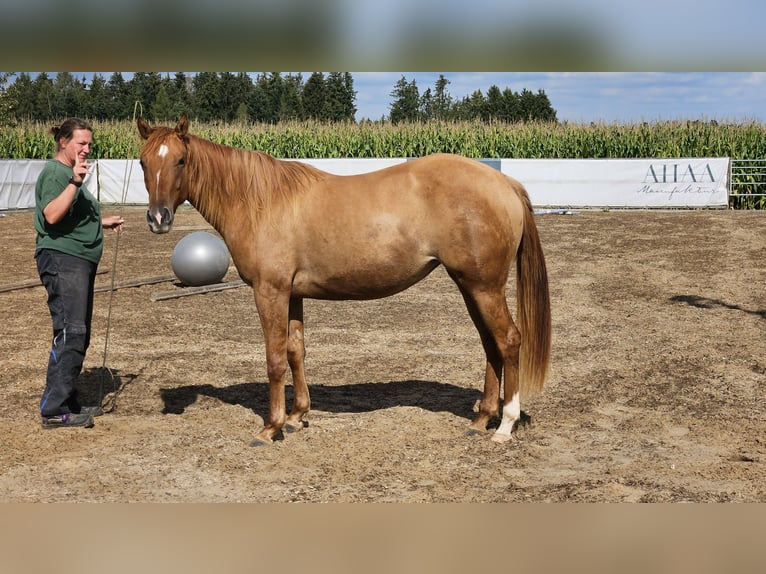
(474, 432)
(258, 441)
(500, 438)
(291, 428)
(266, 438)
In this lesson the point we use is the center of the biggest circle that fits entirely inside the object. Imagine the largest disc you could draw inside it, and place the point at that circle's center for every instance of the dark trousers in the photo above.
(69, 282)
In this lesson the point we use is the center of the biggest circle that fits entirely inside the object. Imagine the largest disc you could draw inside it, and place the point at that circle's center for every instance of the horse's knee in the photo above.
(276, 368)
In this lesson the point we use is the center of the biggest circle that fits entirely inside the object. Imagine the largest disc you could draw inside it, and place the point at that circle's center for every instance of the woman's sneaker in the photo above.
(68, 420)
(95, 411)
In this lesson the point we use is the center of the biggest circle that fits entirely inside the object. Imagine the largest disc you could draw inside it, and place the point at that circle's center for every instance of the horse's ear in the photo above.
(144, 128)
(183, 125)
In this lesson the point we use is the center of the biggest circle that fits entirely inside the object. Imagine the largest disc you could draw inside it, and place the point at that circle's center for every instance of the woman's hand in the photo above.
(113, 222)
(81, 168)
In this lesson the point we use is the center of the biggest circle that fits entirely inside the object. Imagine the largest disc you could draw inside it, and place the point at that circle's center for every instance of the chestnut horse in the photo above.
(297, 232)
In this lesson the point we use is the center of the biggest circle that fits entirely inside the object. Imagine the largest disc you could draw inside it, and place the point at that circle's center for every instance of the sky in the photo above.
(610, 97)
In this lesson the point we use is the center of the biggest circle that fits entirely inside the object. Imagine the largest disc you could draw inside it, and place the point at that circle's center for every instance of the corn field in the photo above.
(746, 141)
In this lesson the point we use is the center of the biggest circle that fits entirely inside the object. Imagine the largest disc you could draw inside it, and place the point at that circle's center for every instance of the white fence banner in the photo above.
(618, 183)
(118, 177)
(18, 178)
(657, 183)
(17, 182)
(352, 166)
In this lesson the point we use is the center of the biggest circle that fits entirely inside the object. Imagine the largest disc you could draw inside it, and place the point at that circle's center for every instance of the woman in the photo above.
(69, 245)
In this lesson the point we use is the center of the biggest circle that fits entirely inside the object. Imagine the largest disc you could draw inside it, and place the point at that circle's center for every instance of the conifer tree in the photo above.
(406, 101)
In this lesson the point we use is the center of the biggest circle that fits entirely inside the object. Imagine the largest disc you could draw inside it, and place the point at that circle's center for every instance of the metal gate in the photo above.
(747, 184)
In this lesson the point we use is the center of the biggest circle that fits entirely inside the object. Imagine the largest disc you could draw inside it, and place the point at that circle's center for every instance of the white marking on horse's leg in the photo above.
(511, 413)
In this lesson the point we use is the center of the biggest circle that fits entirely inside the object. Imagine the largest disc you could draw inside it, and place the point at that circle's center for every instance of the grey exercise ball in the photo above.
(200, 258)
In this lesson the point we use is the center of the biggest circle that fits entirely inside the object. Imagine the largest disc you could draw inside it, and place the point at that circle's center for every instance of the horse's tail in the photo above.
(533, 305)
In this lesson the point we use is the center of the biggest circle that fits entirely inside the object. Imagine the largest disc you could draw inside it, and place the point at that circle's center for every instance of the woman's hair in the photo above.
(66, 130)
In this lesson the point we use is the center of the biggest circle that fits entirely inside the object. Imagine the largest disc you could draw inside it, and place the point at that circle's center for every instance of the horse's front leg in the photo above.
(296, 353)
(273, 305)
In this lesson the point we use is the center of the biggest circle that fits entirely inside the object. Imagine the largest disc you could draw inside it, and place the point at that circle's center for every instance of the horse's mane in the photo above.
(221, 176)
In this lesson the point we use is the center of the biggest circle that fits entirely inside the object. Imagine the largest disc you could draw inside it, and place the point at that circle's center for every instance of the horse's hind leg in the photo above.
(296, 353)
(501, 340)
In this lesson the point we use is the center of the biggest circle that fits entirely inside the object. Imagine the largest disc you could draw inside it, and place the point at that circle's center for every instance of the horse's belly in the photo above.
(367, 280)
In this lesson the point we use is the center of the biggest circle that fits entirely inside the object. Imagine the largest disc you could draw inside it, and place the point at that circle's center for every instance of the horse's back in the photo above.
(437, 183)
(402, 221)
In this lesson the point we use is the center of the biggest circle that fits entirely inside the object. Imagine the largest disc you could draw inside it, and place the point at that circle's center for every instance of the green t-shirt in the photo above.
(79, 233)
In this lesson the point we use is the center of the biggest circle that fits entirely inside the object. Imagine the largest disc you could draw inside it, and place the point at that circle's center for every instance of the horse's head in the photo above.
(163, 159)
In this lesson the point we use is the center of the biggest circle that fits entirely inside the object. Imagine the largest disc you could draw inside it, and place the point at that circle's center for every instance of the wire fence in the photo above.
(747, 184)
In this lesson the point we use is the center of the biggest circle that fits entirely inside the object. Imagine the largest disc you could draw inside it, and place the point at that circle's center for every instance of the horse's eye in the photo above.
(182, 161)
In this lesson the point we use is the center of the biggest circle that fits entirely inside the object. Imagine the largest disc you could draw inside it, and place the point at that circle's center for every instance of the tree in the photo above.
(544, 110)
(162, 108)
(20, 97)
(511, 107)
(258, 104)
(406, 101)
(290, 104)
(226, 100)
(504, 106)
(494, 105)
(179, 95)
(348, 97)
(43, 95)
(67, 97)
(273, 97)
(340, 97)
(206, 93)
(442, 101)
(314, 97)
(477, 106)
(269, 97)
(242, 88)
(242, 115)
(120, 99)
(426, 106)
(97, 98)
(4, 104)
(145, 87)
(536, 107)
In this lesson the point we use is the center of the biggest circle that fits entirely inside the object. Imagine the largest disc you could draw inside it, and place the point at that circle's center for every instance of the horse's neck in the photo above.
(209, 185)
(234, 187)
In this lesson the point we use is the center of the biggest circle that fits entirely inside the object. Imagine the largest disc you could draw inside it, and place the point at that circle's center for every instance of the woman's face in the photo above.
(78, 147)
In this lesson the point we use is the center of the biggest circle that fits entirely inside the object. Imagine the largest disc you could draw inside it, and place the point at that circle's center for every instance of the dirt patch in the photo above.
(656, 393)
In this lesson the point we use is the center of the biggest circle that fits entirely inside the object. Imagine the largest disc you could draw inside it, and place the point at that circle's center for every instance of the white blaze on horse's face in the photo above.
(163, 151)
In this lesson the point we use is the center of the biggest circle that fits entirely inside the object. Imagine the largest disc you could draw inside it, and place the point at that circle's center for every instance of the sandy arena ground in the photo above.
(656, 392)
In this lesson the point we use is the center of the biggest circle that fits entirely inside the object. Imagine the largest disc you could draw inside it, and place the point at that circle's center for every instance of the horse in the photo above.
(297, 232)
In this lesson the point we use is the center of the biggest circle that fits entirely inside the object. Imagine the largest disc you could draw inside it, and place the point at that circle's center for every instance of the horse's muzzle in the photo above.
(159, 220)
